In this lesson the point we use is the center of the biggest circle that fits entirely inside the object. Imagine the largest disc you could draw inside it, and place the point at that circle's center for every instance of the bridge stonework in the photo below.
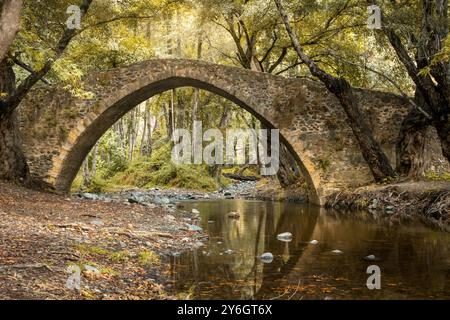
(59, 129)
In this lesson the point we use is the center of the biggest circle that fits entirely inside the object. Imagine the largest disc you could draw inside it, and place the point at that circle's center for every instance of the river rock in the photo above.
(195, 211)
(229, 251)
(370, 258)
(285, 237)
(191, 227)
(389, 209)
(337, 251)
(374, 204)
(89, 196)
(314, 242)
(161, 200)
(266, 257)
(97, 222)
(92, 269)
(198, 244)
(234, 215)
(169, 217)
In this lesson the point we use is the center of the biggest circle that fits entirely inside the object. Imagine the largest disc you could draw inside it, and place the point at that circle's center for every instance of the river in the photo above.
(414, 260)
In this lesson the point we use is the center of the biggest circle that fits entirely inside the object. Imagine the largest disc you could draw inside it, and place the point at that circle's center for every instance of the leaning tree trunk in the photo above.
(13, 165)
(370, 148)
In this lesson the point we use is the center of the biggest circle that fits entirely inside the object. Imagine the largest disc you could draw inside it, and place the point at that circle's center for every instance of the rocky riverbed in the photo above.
(169, 197)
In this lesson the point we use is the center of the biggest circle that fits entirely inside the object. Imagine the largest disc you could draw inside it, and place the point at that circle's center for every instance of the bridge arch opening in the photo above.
(109, 113)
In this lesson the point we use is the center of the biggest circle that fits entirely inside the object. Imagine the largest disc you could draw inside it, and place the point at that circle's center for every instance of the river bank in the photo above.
(117, 246)
(428, 200)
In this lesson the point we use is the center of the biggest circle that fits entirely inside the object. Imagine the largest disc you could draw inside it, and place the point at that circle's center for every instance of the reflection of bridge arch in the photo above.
(310, 119)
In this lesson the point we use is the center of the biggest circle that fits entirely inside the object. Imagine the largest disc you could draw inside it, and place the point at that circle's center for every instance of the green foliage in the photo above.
(97, 185)
(148, 258)
(431, 175)
(159, 171)
(112, 158)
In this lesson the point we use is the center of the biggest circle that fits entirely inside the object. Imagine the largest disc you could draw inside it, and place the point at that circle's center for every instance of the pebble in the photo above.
(199, 244)
(266, 257)
(92, 269)
(169, 217)
(234, 215)
(194, 228)
(285, 237)
(370, 258)
(314, 242)
(337, 251)
(97, 222)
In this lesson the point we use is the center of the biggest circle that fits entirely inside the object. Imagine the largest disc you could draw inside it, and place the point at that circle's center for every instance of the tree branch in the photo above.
(68, 34)
(26, 67)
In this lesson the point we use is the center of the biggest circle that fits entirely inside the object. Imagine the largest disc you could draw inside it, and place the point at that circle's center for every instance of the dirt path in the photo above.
(117, 247)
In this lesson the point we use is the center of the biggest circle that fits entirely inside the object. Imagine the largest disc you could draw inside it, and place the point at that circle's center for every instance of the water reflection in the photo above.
(414, 260)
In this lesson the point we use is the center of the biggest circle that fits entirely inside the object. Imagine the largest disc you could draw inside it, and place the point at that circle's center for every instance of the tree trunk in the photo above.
(13, 165)
(131, 135)
(443, 131)
(173, 94)
(216, 170)
(94, 161)
(144, 132)
(151, 125)
(9, 24)
(434, 86)
(370, 149)
(86, 174)
(412, 159)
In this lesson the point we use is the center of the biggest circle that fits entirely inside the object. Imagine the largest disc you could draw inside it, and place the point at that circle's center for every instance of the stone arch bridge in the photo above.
(59, 129)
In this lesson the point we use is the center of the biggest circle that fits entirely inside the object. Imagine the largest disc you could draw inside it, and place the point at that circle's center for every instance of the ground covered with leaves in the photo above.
(120, 249)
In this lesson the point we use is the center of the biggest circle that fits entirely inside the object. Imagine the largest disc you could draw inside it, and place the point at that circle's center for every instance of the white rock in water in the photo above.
(195, 211)
(286, 237)
(314, 242)
(234, 215)
(337, 251)
(229, 251)
(370, 258)
(266, 257)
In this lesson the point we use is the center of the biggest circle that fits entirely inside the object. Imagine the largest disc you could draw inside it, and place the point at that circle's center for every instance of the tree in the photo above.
(428, 71)
(13, 163)
(340, 87)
